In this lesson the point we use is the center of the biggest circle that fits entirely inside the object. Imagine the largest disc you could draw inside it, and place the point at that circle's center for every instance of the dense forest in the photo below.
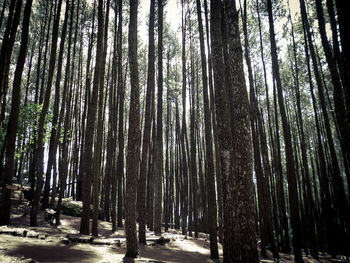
(224, 117)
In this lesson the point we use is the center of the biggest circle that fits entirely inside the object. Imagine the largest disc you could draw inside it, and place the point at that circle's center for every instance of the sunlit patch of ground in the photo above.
(180, 249)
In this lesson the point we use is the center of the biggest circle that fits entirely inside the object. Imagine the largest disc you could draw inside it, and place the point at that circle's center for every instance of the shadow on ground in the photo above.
(49, 253)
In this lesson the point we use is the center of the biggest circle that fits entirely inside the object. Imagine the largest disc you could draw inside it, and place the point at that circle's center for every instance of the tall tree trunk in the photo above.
(98, 143)
(54, 131)
(184, 129)
(90, 127)
(326, 198)
(110, 197)
(343, 121)
(344, 30)
(147, 127)
(121, 92)
(291, 173)
(87, 97)
(340, 200)
(7, 47)
(240, 244)
(311, 231)
(159, 139)
(150, 181)
(133, 156)
(212, 220)
(65, 111)
(5, 205)
(2, 11)
(39, 156)
(265, 210)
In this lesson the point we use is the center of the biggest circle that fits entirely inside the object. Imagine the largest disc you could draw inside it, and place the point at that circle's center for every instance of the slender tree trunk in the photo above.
(305, 164)
(177, 167)
(39, 156)
(212, 220)
(291, 173)
(158, 172)
(147, 127)
(343, 121)
(133, 156)
(54, 137)
(150, 181)
(184, 129)
(98, 143)
(5, 205)
(340, 200)
(90, 128)
(87, 96)
(326, 199)
(110, 182)
(121, 92)
(263, 186)
(7, 46)
(344, 30)
(2, 11)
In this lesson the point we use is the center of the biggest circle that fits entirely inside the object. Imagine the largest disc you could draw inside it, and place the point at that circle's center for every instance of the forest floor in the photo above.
(46, 243)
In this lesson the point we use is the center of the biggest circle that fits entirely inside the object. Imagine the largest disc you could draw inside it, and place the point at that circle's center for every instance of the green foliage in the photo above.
(71, 208)
(28, 117)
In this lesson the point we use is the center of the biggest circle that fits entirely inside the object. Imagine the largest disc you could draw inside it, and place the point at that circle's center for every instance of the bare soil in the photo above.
(55, 248)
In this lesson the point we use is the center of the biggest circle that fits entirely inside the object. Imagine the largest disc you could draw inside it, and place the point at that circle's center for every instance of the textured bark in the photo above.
(133, 155)
(215, 136)
(5, 204)
(239, 207)
(222, 113)
(262, 175)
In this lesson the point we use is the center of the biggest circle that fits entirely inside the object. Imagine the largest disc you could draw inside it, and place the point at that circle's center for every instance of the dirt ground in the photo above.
(52, 248)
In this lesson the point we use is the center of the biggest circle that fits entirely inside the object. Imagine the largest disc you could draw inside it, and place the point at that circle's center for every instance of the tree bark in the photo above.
(133, 156)
(291, 173)
(212, 219)
(39, 156)
(90, 127)
(5, 205)
(147, 127)
(159, 139)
